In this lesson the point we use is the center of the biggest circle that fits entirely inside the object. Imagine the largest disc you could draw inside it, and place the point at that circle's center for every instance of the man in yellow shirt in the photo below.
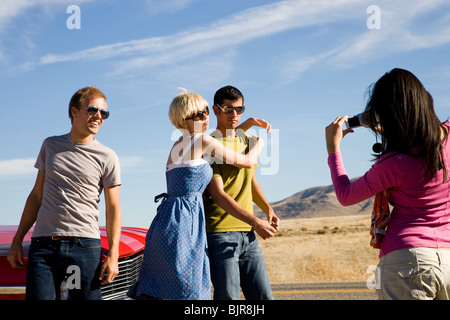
(235, 256)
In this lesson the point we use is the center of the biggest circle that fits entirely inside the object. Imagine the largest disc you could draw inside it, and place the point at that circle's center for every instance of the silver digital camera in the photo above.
(357, 121)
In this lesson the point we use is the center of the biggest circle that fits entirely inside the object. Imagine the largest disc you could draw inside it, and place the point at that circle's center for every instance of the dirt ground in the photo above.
(321, 249)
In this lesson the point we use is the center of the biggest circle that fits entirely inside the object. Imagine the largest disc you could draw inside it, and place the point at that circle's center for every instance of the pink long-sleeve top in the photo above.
(420, 208)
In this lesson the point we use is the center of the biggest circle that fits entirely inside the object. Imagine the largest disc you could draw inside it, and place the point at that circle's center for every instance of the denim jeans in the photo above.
(237, 262)
(48, 265)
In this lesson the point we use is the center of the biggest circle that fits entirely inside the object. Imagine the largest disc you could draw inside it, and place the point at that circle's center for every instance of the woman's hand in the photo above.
(257, 122)
(334, 134)
(261, 123)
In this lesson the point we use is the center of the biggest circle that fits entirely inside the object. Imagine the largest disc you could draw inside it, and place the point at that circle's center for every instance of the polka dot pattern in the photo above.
(176, 264)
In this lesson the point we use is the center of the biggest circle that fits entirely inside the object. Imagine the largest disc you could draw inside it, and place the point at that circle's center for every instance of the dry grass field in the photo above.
(320, 249)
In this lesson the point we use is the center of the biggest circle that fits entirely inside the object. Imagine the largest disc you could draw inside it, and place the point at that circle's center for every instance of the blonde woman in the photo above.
(176, 264)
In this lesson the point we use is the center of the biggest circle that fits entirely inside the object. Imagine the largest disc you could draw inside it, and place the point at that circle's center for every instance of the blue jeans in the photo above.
(237, 262)
(48, 265)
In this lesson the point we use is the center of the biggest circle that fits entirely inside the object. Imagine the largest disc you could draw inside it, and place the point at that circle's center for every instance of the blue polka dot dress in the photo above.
(176, 264)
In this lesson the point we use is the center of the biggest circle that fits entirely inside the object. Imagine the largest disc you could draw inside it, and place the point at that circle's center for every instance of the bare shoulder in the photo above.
(207, 139)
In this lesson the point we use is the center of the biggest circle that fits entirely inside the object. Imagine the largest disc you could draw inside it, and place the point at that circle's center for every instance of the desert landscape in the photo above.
(319, 239)
(320, 249)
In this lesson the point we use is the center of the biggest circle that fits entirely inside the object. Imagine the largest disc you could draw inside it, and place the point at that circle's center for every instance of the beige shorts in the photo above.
(415, 274)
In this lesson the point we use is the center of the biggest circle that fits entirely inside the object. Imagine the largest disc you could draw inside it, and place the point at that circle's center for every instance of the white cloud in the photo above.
(230, 31)
(291, 69)
(13, 8)
(25, 167)
(10, 9)
(399, 33)
(17, 167)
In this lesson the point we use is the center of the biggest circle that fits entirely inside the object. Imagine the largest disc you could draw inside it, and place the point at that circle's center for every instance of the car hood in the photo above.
(131, 240)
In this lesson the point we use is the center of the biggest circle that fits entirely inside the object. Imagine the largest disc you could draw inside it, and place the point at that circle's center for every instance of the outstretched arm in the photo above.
(250, 122)
(215, 148)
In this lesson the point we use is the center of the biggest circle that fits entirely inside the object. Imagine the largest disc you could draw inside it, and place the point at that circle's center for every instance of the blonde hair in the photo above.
(184, 105)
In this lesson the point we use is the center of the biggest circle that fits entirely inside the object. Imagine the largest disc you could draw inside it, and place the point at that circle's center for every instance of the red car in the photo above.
(131, 251)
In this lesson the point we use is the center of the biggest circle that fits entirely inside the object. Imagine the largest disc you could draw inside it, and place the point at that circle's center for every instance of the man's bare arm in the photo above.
(29, 215)
(260, 200)
(110, 268)
(262, 227)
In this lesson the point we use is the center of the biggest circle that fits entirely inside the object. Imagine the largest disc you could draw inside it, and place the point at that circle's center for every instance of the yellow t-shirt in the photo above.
(237, 183)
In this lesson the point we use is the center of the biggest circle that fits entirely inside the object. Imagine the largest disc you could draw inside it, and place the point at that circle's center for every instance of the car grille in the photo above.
(129, 268)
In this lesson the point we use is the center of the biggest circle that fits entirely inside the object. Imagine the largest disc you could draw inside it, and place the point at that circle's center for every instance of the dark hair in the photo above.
(227, 93)
(403, 110)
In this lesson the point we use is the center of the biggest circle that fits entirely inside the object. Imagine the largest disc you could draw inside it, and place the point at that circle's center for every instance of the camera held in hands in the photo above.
(360, 121)
(357, 121)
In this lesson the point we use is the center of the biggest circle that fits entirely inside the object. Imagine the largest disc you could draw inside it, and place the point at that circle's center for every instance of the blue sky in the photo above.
(298, 63)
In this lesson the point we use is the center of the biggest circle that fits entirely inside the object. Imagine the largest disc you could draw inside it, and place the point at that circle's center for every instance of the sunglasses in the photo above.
(228, 109)
(92, 110)
(200, 115)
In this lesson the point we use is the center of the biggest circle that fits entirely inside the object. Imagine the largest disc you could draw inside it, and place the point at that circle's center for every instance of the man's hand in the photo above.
(264, 229)
(272, 218)
(109, 270)
(16, 251)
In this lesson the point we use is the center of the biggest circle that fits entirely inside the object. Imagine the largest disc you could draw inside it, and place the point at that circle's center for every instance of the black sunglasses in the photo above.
(228, 109)
(200, 115)
(92, 110)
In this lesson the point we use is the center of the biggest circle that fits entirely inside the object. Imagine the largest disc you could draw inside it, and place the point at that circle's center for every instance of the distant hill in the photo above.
(315, 202)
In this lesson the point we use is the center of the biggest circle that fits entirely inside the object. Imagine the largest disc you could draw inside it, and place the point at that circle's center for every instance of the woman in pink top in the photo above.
(413, 168)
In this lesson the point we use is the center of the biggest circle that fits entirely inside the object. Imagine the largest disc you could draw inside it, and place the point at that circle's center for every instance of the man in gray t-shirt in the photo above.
(73, 170)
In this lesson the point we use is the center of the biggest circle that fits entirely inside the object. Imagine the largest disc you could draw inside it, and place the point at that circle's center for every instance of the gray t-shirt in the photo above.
(75, 175)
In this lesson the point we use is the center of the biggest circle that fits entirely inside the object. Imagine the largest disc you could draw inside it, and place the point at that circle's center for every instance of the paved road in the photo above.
(323, 291)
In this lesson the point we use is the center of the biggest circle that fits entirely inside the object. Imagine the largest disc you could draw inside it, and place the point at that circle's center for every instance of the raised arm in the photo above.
(250, 122)
(215, 148)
